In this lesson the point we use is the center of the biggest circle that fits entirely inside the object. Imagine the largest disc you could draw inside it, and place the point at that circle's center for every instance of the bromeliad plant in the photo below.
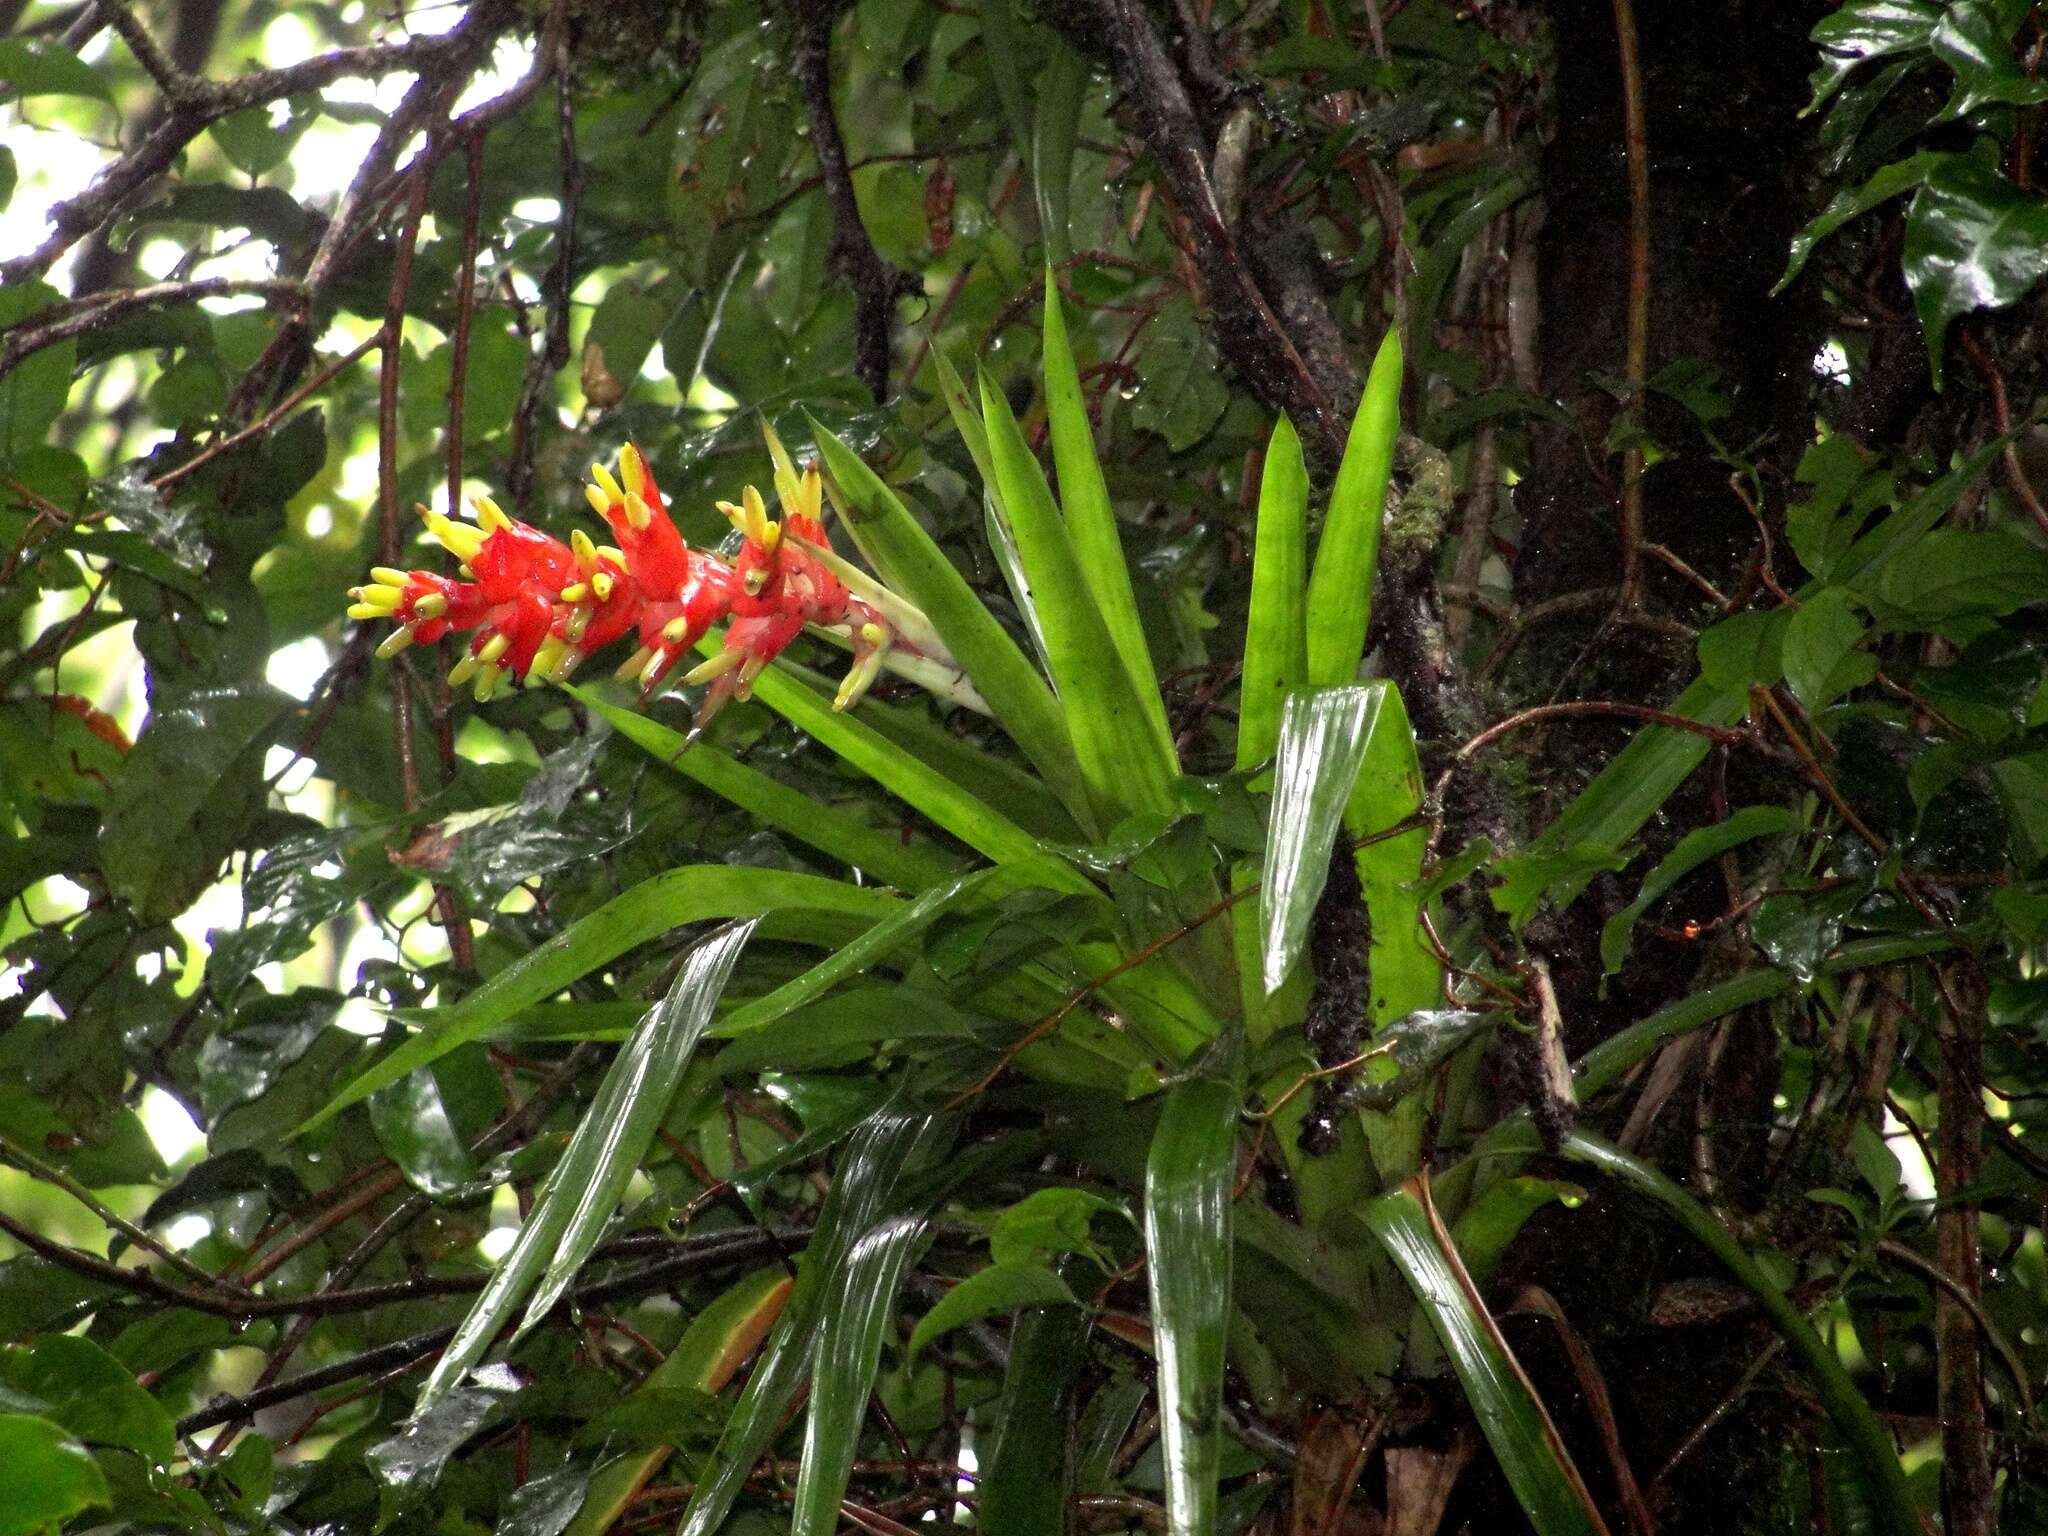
(1130, 939)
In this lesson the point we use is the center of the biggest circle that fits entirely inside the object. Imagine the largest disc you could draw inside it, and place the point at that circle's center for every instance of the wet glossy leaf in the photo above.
(411, 1461)
(1797, 932)
(1322, 741)
(719, 1340)
(693, 893)
(869, 1183)
(185, 794)
(849, 1351)
(413, 1127)
(1001, 1288)
(1523, 1440)
(1973, 241)
(582, 1192)
(1868, 29)
(1414, 1047)
(544, 1506)
(300, 882)
(265, 1037)
(1188, 1174)
(1883, 184)
(1975, 39)
(50, 1477)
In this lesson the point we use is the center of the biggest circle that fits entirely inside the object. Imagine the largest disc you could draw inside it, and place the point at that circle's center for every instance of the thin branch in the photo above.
(1719, 735)
(2001, 417)
(61, 322)
(699, 1255)
(269, 418)
(1253, 337)
(877, 285)
(197, 104)
(2007, 1356)
(1637, 142)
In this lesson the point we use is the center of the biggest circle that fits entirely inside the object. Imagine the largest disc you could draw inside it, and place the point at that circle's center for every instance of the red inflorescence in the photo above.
(537, 606)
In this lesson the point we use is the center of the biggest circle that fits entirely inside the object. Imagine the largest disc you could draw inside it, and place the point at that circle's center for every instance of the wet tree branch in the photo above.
(1251, 335)
(195, 104)
(877, 285)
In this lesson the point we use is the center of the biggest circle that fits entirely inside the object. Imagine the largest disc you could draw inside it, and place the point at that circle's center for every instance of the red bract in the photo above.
(538, 606)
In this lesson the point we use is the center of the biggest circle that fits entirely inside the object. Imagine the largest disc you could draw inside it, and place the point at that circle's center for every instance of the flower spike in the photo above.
(535, 607)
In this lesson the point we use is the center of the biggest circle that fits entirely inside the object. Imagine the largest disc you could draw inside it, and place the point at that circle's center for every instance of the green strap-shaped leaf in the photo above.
(710, 1352)
(830, 831)
(1323, 735)
(1188, 1176)
(1868, 1439)
(1611, 1059)
(583, 1189)
(843, 1374)
(1024, 1459)
(903, 924)
(1276, 635)
(912, 780)
(1120, 757)
(1001, 672)
(1523, 1439)
(1091, 520)
(1054, 128)
(1347, 554)
(865, 1186)
(999, 45)
(691, 894)
(999, 780)
(1407, 977)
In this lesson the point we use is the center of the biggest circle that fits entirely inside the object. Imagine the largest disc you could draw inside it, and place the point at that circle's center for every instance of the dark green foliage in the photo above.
(1107, 1109)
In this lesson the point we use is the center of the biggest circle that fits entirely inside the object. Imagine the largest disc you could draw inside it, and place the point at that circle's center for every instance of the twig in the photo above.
(556, 287)
(1719, 735)
(2001, 417)
(1258, 345)
(1536, 1301)
(1637, 142)
(877, 284)
(714, 1251)
(196, 104)
(61, 322)
(269, 418)
(29, 1163)
(2007, 1355)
